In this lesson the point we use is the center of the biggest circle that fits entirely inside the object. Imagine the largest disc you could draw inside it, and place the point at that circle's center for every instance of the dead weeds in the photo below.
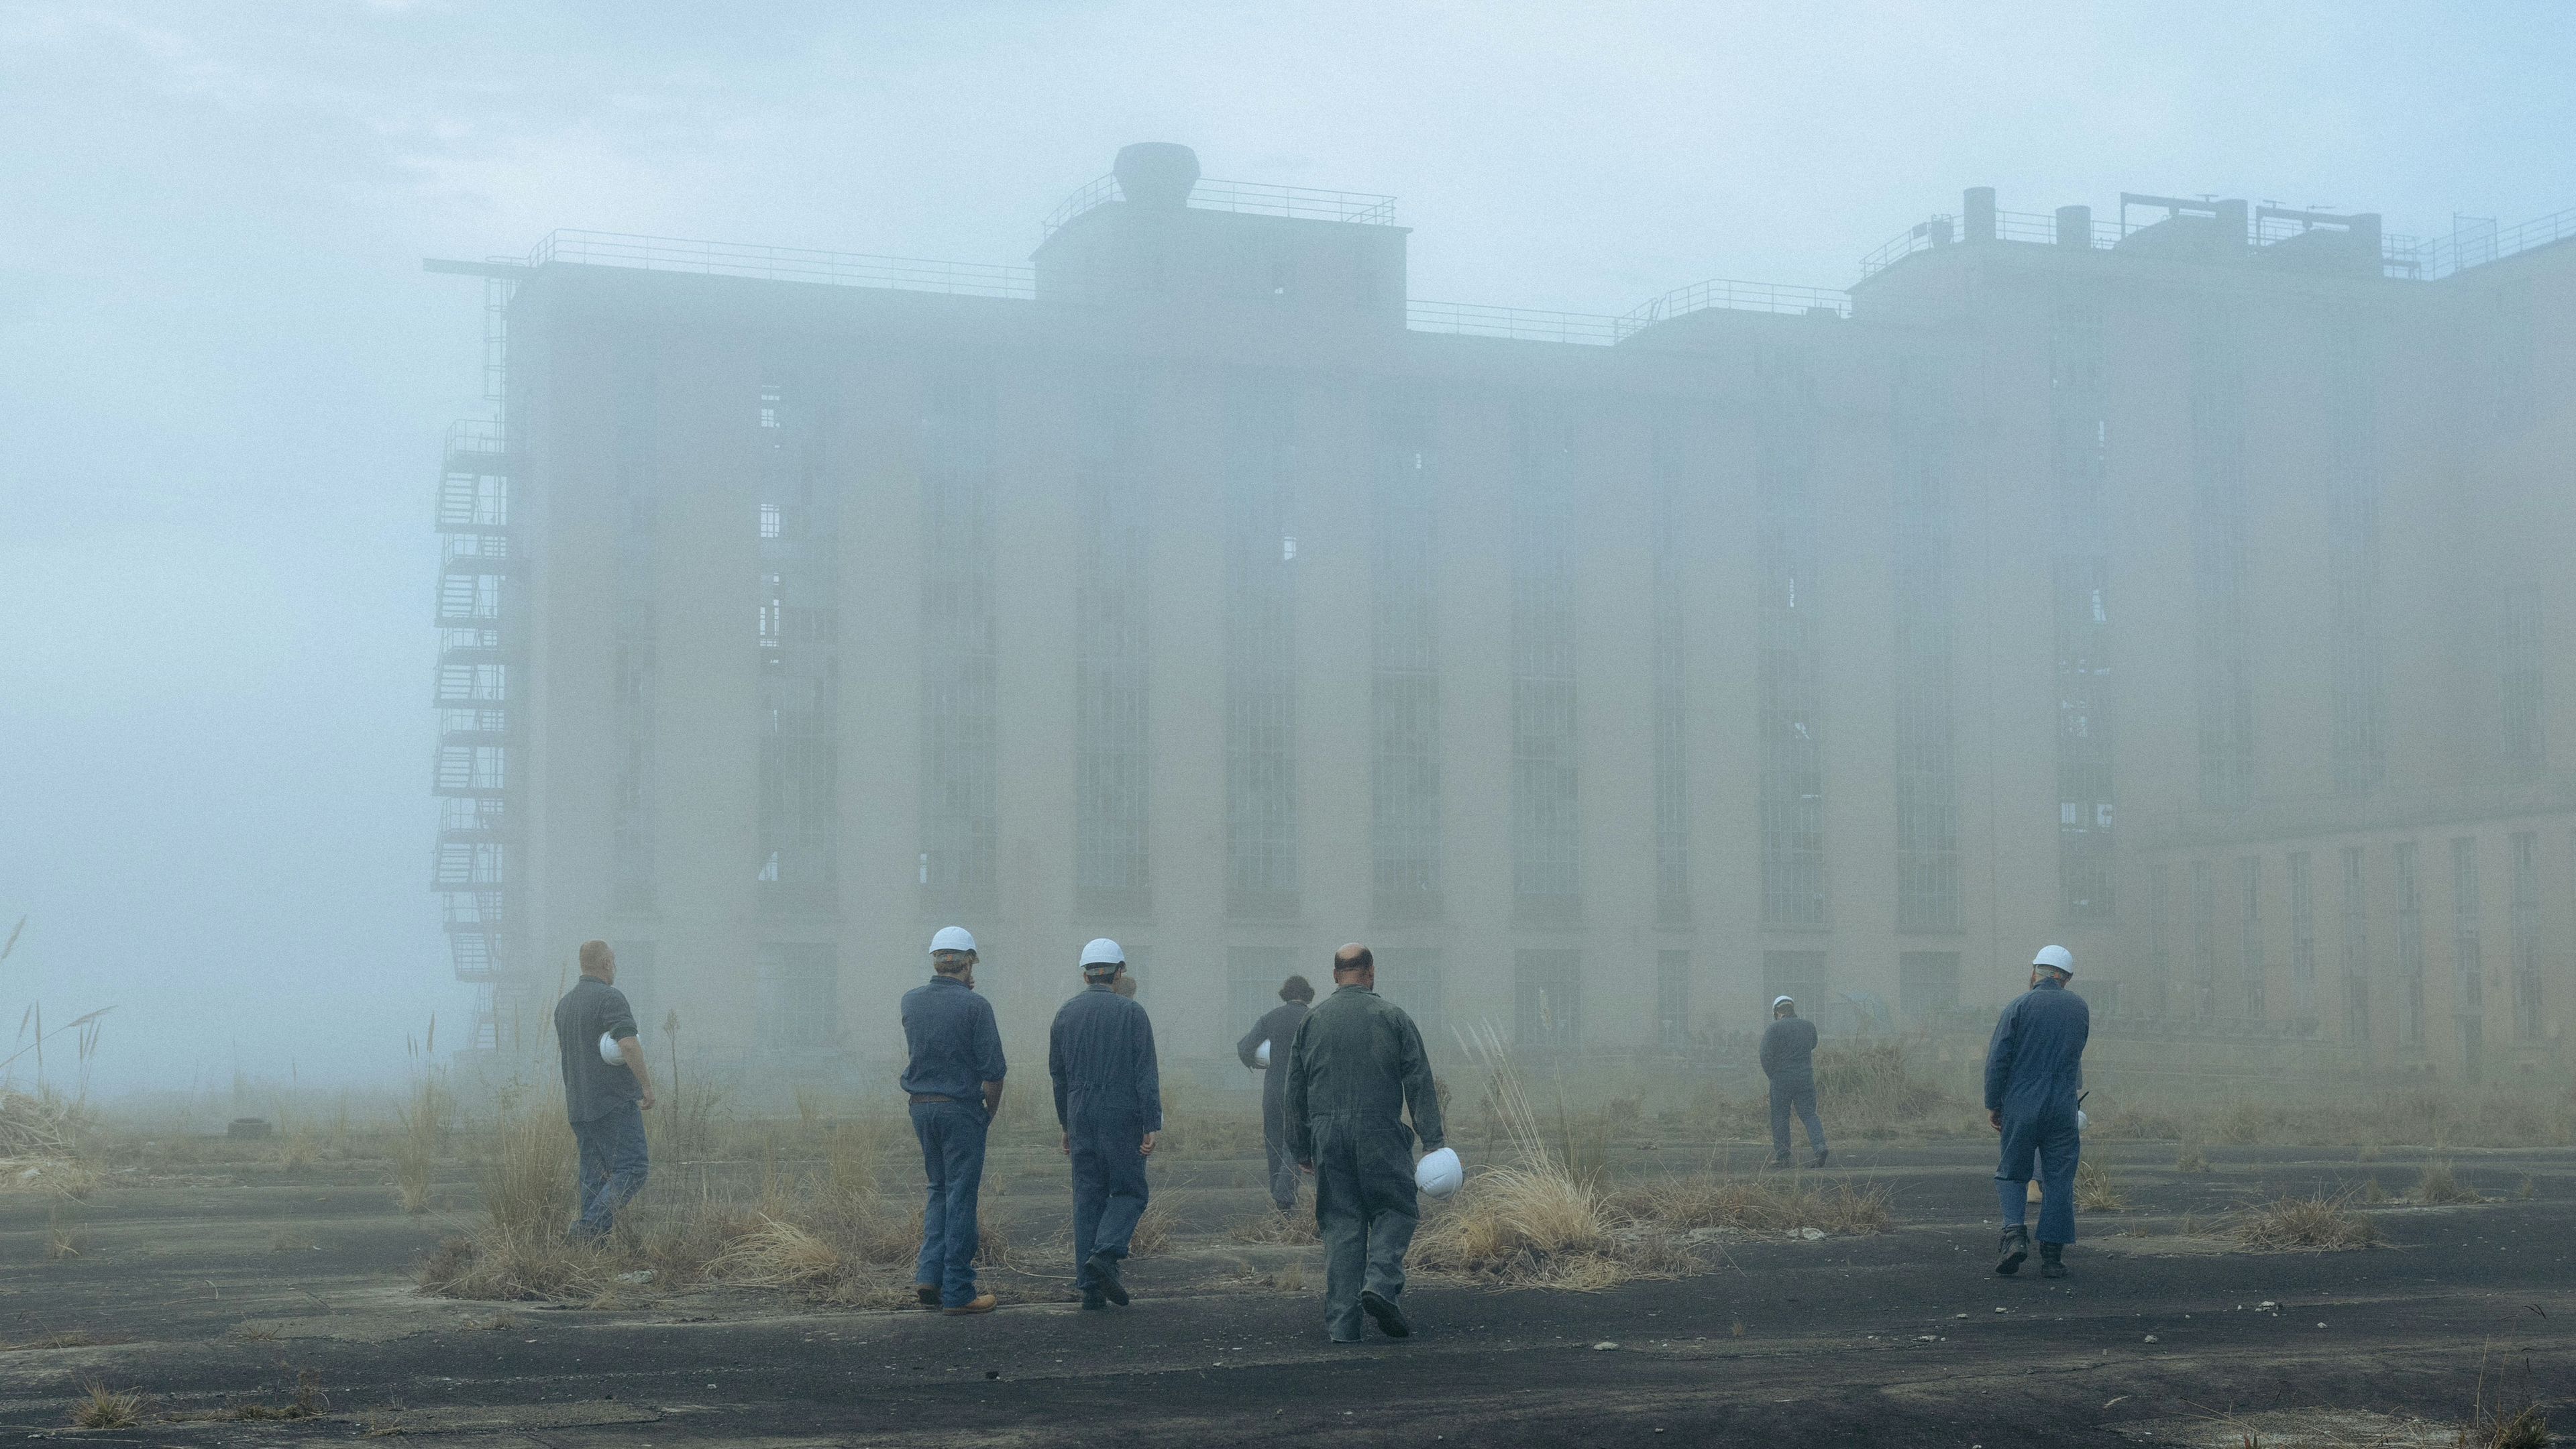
(2303, 1225)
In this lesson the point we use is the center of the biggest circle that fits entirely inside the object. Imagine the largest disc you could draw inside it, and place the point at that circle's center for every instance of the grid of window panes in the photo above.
(2410, 945)
(1927, 793)
(798, 526)
(2080, 580)
(1260, 650)
(2249, 934)
(631, 642)
(960, 829)
(2303, 941)
(1404, 682)
(1547, 999)
(1111, 598)
(2468, 960)
(1546, 880)
(2525, 743)
(2352, 565)
(2224, 690)
(2204, 941)
(1787, 727)
(2356, 949)
(2525, 927)
(1672, 780)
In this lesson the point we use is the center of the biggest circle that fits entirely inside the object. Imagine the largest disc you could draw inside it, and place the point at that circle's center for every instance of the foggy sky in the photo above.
(223, 376)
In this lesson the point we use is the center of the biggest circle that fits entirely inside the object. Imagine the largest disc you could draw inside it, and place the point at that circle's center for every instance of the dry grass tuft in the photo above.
(421, 1126)
(2192, 1158)
(1154, 1231)
(2525, 1428)
(777, 1255)
(2304, 1224)
(299, 1151)
(1291, 1228)
(1870, 1090)
(65, 1338)
(2438, 1188)
(2095, 1192)
(106, 1408)
(1757, 1205)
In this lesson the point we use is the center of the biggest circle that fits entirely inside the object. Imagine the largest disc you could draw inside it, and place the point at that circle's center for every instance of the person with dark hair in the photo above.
(1264, 1049)
(1109, 1101)
(604, 1102)
(1355, 1067)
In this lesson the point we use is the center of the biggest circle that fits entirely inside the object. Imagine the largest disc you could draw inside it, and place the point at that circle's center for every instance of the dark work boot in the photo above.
(1820, 1158)
(1104, 1276)
(2016, 1246)
(1390, 1319)
(1092, 1300)
(2051, 1262)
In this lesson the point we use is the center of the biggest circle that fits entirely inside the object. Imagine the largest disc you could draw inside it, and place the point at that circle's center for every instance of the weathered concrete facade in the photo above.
(1199, 600)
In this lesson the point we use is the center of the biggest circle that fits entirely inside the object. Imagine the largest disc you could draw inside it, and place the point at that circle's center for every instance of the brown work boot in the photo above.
(984, 1303)
(928, 1293)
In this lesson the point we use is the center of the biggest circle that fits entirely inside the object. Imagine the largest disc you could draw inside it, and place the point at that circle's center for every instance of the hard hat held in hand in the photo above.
(1261, 1056)
(1438, 1173)
(608, 1051)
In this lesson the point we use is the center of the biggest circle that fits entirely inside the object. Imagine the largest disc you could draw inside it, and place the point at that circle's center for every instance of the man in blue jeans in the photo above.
(955, 1081)
(605, 1103)
(2034, 1073)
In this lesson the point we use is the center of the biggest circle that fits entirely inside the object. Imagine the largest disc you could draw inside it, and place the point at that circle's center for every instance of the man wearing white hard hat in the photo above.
(1355, 1067)
(1109, 1101)
(1789, 1062)
(1264, 1049)
(2034, 1073)
(603, 1098)
(954, 1079)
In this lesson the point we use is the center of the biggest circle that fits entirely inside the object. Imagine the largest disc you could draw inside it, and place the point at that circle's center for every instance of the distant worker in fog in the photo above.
(1109, 1101)
(954, 1078)
(1265, 1050)
(1789, 1060)
(2034, 1070)
(605, 1103)
(1355, 1066)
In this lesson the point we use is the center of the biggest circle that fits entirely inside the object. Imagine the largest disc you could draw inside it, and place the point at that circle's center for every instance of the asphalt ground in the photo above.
(227, 1290)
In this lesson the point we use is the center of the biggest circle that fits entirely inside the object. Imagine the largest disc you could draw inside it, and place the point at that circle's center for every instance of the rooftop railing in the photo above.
(1302, 203)
(1519, 324)
(2403, 257)
(783, 264)
(1720, 294)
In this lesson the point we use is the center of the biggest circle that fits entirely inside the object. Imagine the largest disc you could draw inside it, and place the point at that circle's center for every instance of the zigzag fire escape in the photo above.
(482, 638)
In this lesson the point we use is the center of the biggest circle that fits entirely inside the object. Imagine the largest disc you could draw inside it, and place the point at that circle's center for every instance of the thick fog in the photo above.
(224, 377)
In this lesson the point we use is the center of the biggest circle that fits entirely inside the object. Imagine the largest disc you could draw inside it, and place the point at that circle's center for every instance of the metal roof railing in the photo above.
(1720, 294)
(1520, 324)
(1302, 203)
(2433, 258)
(783, 264)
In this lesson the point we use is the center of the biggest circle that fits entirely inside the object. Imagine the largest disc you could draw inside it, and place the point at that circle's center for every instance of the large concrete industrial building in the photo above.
(2184, 585)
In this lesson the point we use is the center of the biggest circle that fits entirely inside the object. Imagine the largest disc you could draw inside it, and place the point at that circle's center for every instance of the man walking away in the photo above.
(1354, 1067)
(1109, 1101)
(2034, 1070)
(1789, 1060)
(606, 1103)
(955, 1081)
(1278, 1027)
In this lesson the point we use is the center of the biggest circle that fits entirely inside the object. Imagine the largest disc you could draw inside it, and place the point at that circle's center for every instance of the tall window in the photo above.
(2204, 941)
(2219, 507)
(2356, 949)
(960, 830)
(798, 527)
(1546, 875)
(2249, 936)
(798, 998)
(1260, 650)
(631, 659)
(1672, 999)
(1799, 975)
(1548, 999)
(1253, 975)
(2526, 935)
(2080, 577)
(2159, 937)
(2410, 946)
(1672, 782)
(2468, 960)
(1927, 983)
(2525, 745)
(1787, 727)
(2303, 942)
(1927, 793)
(2352, 563)
(1111, 600)
(1404, 686)
(1412, 977)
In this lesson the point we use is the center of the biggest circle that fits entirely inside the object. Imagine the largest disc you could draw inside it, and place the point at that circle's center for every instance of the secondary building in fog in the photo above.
(2184, 587)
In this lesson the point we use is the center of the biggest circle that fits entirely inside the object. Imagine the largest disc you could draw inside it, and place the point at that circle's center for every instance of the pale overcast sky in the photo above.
(223, 376)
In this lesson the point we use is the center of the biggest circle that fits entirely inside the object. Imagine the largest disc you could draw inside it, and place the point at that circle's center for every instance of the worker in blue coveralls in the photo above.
(1109, 1100)
(2034, 1071)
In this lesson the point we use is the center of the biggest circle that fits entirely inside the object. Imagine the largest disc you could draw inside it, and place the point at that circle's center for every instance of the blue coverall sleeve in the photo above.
(1999, 1056)
(1055, 1069)
(1301, 1139)
(989, 1065)
(1149, 1079)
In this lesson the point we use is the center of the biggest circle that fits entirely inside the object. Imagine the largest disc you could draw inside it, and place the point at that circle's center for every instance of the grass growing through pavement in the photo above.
(2095, 1192)
(104, 1408)
(2438, 1188)
(2304, 1224)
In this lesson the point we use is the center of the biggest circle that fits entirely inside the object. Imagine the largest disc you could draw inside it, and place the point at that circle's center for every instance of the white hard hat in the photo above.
(2056, 958)
(1103, 952)
(1261, 1056)
(952, 938)
(1780, 1001)
(1438, 1173)
(608, 1051)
